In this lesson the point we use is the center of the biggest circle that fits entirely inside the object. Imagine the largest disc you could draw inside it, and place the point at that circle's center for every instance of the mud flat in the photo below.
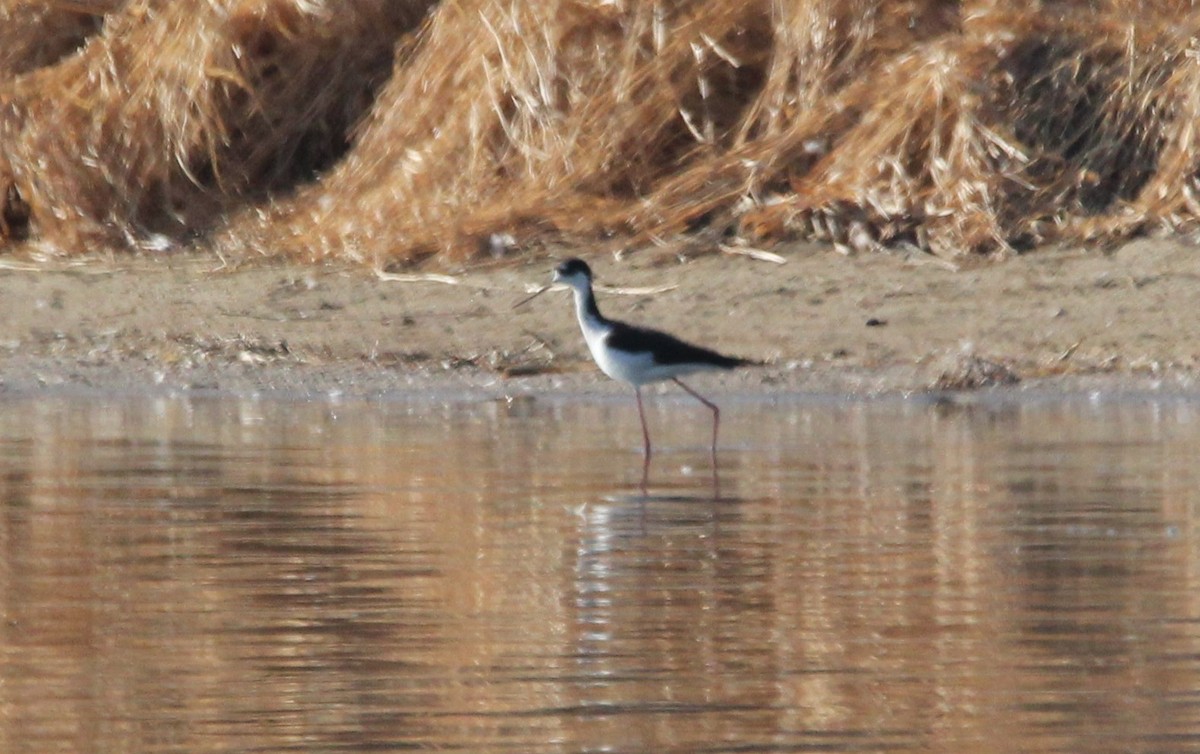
(873, 323)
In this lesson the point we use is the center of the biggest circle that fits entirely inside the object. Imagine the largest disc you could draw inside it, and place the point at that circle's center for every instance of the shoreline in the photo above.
(38, 379)
(1060, 320)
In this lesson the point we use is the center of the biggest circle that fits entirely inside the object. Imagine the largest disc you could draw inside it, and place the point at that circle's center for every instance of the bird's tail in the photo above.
(734, 362)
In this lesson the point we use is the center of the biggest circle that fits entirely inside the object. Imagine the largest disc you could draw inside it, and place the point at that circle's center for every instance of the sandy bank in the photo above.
(825, 323)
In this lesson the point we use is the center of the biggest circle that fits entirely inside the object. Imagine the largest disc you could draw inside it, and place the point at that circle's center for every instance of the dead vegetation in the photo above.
(34, 35)
(322, 130)
(970, 371)
(174, 114)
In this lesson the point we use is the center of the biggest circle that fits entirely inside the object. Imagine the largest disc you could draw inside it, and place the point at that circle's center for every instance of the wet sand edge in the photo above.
(1057, 319)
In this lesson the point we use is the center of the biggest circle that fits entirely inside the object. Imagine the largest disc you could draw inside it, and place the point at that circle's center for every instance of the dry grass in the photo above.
(33, 34)
(966, 127)
(176, 113)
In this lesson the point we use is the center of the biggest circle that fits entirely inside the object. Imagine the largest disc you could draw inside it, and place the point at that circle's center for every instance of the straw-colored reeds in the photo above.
(177, 112)
(958, 127)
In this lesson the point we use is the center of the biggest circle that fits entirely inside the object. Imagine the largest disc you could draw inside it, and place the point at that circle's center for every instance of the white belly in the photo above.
(635, 368)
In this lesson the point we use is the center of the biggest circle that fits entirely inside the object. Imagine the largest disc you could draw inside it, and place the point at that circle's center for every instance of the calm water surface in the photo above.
(216, 575)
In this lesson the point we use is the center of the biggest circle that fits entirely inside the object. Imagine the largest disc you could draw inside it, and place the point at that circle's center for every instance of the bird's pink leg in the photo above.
(716, 420)
(645, 439)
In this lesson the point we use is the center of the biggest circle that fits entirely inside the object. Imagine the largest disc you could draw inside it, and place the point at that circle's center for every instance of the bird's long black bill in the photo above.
(535, 294)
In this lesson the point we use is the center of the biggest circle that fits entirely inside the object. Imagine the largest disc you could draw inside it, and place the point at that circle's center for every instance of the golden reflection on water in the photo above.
(192, 575)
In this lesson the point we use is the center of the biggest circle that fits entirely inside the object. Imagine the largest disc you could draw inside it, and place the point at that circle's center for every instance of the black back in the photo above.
(667, 349)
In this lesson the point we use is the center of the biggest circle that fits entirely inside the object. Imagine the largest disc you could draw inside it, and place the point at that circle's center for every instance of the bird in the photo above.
(639, 355)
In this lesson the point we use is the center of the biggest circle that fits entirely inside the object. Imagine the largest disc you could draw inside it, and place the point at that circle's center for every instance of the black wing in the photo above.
(667, 349)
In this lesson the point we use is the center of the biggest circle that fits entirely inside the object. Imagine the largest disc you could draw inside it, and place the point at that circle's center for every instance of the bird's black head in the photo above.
(573, 269)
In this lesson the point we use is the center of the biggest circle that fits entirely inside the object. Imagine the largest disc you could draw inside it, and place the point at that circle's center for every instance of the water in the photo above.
(216, 575)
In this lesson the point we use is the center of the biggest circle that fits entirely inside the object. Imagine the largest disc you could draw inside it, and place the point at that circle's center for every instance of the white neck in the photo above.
(591, 322)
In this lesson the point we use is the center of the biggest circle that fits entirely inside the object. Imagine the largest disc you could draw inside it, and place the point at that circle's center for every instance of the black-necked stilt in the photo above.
(639, 355)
